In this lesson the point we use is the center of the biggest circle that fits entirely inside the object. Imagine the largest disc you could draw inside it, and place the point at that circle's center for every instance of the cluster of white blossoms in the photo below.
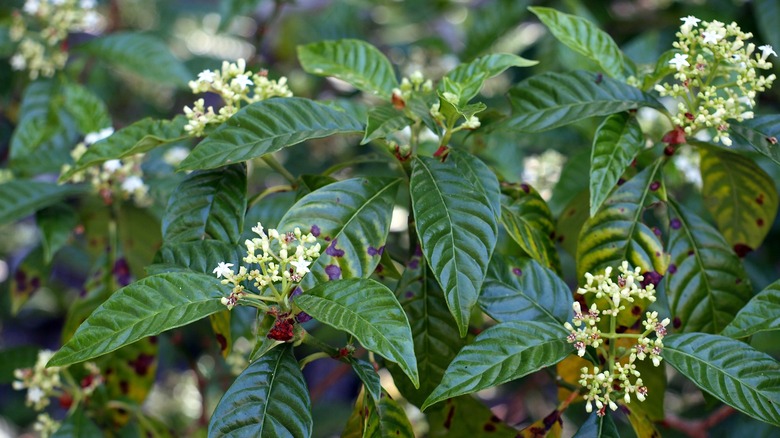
(235, 86)
(716, 75)
(114, 179)
(414, 84)
(619, 378)
(41, 29)
(280, 258)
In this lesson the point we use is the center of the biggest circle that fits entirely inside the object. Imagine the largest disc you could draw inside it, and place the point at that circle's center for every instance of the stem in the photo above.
(331, 351)
(275, 165)
(269, 191)
(414, 138)
(698, 428)
(311, 358)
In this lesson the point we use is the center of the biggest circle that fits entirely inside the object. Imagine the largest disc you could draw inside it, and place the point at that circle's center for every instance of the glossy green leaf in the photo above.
(37, 120)
(706, 283)
(20, 198)
(466, 417)
(521, 289)
(532, 240)
(469, 77)
(488, 23)
(661, 70)
(762, 313)
(200, 256)
(139, 137)
(457, 228)
(435, 334)
(732, 371)
(56, 224)
(383, 121)
(551, 100)
(269, 399)
(368, 375)
(617, 233)
(351, 218)
(142, 54)
(267, 126)
(481, 177)
(208, 204)
(88, 110)
(504, 352)
(617, 141)
(145, 308)
(353, 61)
(76, 425)
(139, 237)
(585, 38)
(598, 427)
(760, 133)
(369, 311)
(740, 196)
(30, 276)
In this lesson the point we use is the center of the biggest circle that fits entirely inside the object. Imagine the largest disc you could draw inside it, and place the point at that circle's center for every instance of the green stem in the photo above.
(275, 165)
(311, 358)
(269, 191)
(331, 351)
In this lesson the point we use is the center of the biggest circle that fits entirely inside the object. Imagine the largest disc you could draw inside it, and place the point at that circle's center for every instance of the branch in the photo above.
(697, 428)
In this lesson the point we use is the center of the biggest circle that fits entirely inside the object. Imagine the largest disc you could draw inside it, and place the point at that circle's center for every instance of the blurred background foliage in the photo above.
(431, 36)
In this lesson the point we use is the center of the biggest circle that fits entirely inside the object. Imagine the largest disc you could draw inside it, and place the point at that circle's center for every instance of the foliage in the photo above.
(390, 207)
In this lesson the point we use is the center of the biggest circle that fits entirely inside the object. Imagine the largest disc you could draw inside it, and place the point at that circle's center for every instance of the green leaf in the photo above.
(382, 418)
(760, 133)
(571, 220)
(435, 334)
(56, 224)
(208, 204)
(551, 100)
(133, 371)
(267, 126)
(466, 417)
(617, 141)
(762, 313)
(369, 377)
(142, 54)
(13, 358)
(486, 25)
(585, 38)
(145, 308)
(521, 289)
(457, 228)
(220, 325)
(88, 110)
(617, 233)
(353, 216)
(730, 370)
(353, 61)
(31, 274)
(269, 399)
(369, 311)
(383, 121)
(139, 236)
(481, 177)
(142, 136)
(469, 77)
(740, 196)
(200, 256)
(598, 427)
(392, 419)
(531, 239)
(706, 284)
(78, 424)
(504, 352)
(20, 198)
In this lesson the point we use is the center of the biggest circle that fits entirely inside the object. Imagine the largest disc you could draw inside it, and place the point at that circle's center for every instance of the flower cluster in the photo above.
(716, 70)
(235, 86)
(281, 258)
(40, 382)
(414, 84)
(122, 179)
(41, 28)
(619, 377)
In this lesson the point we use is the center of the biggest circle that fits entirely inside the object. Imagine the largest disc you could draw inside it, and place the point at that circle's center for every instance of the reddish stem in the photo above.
(698, 428)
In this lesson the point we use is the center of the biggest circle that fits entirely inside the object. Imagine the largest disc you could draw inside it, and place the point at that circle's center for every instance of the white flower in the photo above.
(710, 37)
(206, 76)
(112, 166)
(766, 50)
(31, 7)
(94, 137)
(223, 270)
(259, 230)
(132, 183)
(176, 155)
(301, 266)
(679, 62)
(243, 81)
(690, 21)
(18, 62)
(35, 394)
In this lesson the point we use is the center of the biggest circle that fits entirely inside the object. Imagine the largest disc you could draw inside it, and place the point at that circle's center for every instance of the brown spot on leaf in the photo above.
(676, 322)
(222, 342)
(742, 250)
(489, 427)
(760, 222)
(142, 363)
